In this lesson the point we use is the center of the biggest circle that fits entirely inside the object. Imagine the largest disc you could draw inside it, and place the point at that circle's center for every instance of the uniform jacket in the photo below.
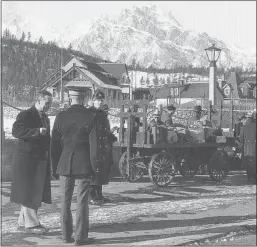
(31, 149)
(101, 140)
(248, 139)
(70, 149)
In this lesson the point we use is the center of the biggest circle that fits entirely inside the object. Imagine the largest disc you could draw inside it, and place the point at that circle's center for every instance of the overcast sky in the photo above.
(231, 21)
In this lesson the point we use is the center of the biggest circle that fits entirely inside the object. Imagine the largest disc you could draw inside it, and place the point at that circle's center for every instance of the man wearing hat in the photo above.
(70, 159)
(196, 115)
(248, 140)
(101, 140)
(167, 117)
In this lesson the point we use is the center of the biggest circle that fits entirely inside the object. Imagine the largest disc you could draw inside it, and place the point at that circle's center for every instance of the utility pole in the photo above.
(61, 92)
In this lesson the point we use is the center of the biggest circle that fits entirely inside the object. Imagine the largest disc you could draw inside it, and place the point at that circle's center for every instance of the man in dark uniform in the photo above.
(102, 154)
(196, 116)
(70, 158)
(248, 140)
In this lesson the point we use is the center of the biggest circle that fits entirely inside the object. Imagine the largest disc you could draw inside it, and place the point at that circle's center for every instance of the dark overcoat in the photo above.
(70, 149)
(31, 183)
(248, 139)
(101, 140)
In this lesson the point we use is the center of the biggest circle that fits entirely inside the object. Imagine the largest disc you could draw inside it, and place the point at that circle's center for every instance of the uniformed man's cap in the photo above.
(171, 108)
(99, 96)
(197, 108)
(76, 93)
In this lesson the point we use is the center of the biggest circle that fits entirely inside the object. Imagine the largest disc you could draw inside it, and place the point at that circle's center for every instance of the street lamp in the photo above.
(213, 54)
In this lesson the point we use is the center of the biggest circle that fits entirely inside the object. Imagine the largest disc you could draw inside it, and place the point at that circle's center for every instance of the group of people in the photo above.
(245, 131)
(79, 150)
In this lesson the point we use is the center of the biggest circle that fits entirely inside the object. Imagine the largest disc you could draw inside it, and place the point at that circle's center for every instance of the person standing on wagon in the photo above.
(31, 173)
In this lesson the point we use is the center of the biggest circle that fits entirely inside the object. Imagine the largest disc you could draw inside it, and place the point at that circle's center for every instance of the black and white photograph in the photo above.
(128, 123)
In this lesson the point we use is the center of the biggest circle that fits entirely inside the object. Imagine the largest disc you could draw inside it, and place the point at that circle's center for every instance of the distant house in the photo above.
(120, 71)
(239, 89)
(196, 93)
(89, 76)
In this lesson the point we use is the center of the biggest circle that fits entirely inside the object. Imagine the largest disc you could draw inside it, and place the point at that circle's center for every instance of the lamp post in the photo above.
(213, 54)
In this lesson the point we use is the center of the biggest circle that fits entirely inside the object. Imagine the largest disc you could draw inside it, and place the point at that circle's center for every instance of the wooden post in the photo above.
(129, 136)
(210, 110)
(220, 113)
(121, 133)
(144, 123)
(231, 119)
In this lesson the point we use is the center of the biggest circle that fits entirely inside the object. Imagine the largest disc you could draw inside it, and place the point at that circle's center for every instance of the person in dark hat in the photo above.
(197, 112)
(247, 139)
(166, 118)
(70, 159)
(101, 151)
(239, 125)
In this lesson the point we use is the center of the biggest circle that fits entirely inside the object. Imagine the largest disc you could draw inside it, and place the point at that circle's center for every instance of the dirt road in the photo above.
(188, 212)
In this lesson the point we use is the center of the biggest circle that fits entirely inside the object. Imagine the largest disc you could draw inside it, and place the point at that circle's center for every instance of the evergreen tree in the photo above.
(147, 81)
(168, 80)
(6, 34)
(23, 37)
(70, 47)
(142, 80)
(29, 36)
(156, 80)
(41, 41)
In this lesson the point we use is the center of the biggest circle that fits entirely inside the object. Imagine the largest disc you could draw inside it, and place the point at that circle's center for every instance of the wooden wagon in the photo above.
(142, 153)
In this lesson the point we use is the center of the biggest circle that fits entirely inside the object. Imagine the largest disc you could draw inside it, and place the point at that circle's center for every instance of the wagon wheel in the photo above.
(218, 167)
(135, 173)
(162, 169)
(187, 167)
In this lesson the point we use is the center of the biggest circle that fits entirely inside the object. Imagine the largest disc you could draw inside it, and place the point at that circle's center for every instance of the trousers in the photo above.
(28, 217)
(67, 184)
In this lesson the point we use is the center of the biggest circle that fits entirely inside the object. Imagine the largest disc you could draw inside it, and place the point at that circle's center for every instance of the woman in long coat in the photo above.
(31, 176)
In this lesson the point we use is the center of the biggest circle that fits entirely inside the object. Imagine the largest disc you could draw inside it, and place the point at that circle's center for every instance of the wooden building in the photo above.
(109, 78)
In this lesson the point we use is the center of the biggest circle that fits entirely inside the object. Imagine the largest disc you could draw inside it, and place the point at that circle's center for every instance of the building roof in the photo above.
(234, 80)
(198, 90)
(100, 80)
(116, 69)
(193, 90)
(79, 83)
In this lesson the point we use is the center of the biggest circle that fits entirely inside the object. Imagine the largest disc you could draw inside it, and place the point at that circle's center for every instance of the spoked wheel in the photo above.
(187, 167)
(162, 169)
(218, 167)
(135, 172)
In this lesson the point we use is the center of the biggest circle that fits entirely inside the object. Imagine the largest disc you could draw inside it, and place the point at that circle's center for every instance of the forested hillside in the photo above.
(26, 65)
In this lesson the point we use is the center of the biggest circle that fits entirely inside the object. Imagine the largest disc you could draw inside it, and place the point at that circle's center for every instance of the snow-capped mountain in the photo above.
(154, 37)
(148, 34)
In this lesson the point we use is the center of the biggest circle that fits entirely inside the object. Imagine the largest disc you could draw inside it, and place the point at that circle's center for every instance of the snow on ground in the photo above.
(10, 116)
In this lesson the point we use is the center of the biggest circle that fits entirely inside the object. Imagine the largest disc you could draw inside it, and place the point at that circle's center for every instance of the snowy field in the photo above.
(10, 116)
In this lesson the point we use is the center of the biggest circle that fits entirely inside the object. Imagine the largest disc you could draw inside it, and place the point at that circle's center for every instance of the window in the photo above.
(254, 93)
(244, 90)
(172, 91)
(54, 92)
(227, 91)
(176, 91)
